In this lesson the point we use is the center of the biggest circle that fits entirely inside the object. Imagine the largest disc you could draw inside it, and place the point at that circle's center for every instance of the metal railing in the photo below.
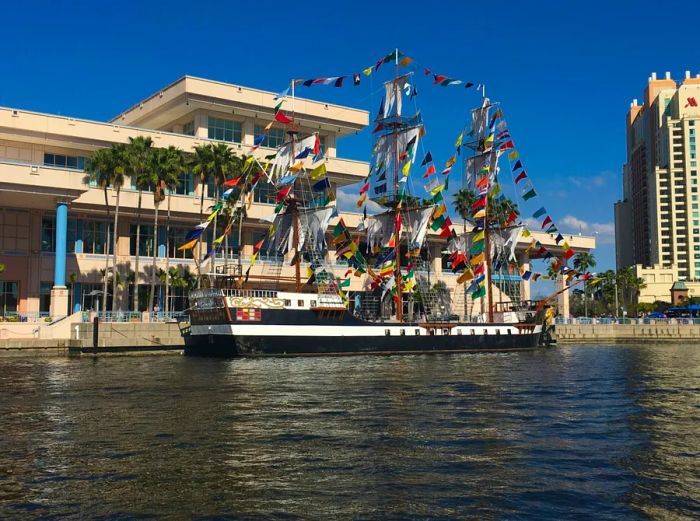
(31, 316)
(608, 321)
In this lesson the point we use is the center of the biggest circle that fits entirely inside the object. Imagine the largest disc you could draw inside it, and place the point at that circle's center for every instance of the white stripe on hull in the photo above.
(351, 331)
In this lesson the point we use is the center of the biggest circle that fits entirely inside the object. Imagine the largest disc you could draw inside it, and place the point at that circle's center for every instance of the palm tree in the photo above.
(167, 165)
(201, 164)
(100, 168)
(630, 284)
(139, 167)
(498, 210)
(224, 164)
(582, 262)
(119, 153)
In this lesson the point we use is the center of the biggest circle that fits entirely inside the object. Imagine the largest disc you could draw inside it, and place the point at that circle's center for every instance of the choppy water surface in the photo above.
(576, 432)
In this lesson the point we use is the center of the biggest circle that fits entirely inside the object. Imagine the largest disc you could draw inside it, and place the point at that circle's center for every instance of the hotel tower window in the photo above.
(224, 130)
(62, 161)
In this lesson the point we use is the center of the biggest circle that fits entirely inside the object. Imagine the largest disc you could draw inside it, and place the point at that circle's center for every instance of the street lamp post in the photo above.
(617, 304)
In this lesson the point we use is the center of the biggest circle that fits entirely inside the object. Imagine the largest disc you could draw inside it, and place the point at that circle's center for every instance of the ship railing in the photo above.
(249, 293)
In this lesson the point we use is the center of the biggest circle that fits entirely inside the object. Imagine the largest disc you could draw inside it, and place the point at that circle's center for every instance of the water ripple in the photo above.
(578, 432)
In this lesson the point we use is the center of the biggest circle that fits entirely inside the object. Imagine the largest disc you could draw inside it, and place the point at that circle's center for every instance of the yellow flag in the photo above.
(250, 200)
(477, 260)
(252, 259)
(218, 240)
(319, 171)
(478, 236)
(212, 215)
(513, 155)
(309, 272)
(565, 246)
(248, 161)
(489, 140)
(437, 189)
(458, 143)
(268, 127)
(496, 189)
(361, 201)
(480, 214)
(297, 167)
(526, 232)
(406, 168)
(188, 245)
(450, 161)
(367, 71)
(467, 275)
(439, 211)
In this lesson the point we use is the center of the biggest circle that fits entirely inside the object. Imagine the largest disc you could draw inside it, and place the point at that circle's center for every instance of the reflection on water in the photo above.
(591, 432)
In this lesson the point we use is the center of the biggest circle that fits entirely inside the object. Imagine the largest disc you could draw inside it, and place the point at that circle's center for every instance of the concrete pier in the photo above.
(628, 333)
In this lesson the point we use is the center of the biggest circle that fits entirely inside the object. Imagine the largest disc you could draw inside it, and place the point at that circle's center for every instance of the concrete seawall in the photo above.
(114, 337)
(642, 333)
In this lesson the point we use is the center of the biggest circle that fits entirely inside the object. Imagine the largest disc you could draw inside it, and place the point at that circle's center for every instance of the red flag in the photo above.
(232, 182)
(258, 245)
(378, 128)
(512, 217)
(484, 181)
(522, 175)
(283, 193)
(547, 220)
(569, 253)
(445, 232)
(397, 222)
(691, 103)
(439, 78)
(480, 203)
(505, 146)
(429, 171)
(282, 118)
(317, 146)
(364, 188)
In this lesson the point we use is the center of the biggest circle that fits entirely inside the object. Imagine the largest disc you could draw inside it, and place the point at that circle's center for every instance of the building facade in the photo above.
(657, 222)
(54, 224)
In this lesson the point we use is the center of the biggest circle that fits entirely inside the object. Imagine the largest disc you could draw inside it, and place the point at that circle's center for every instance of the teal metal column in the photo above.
(59, 271)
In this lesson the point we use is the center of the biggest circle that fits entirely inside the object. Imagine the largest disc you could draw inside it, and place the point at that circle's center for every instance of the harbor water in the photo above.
(573, 432)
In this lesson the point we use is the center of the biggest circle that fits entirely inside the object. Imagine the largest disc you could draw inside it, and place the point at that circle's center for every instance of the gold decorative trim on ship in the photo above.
(256, 302)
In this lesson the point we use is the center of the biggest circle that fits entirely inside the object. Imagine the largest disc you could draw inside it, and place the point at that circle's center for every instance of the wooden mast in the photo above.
(397, 209)
(294, 207)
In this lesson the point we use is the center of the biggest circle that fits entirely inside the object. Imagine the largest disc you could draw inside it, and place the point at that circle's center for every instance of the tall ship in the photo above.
(240, 311)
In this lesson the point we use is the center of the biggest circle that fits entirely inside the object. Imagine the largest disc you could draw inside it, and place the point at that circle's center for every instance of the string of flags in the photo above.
(396, 57)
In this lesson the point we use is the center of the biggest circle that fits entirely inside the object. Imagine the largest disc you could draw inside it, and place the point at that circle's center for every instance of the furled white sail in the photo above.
(285, 158)
(416, 225)
(393, 95)
(313, 224)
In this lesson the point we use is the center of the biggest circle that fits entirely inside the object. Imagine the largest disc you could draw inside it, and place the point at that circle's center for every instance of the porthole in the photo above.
(387, 332)
(403, 332)
(417, 332)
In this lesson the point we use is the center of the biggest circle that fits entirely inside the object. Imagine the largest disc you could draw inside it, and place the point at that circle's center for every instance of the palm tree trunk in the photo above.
(198, 253)
(216, 217)
(135, 296)
(167, 259)
(106, 251)
(114, 254)
(151, 293)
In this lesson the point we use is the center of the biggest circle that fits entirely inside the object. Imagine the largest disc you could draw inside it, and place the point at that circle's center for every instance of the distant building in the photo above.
(657, 222)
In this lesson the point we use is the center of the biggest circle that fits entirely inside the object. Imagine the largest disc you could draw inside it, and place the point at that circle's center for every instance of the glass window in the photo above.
(45, 297)
(185, 184)
(48, 234)
(95, 237)
(188, 128)
(59, 160)
(143, 188)
(224, 130)
(264, 193)
(175, 240)
(273, 139)
(145, 240)
(9, 296)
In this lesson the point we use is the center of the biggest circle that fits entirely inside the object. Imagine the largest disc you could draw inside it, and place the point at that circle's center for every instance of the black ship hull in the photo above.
(261, 345)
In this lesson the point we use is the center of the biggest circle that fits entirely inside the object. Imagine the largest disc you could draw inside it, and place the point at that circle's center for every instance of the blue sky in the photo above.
(565, 72)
